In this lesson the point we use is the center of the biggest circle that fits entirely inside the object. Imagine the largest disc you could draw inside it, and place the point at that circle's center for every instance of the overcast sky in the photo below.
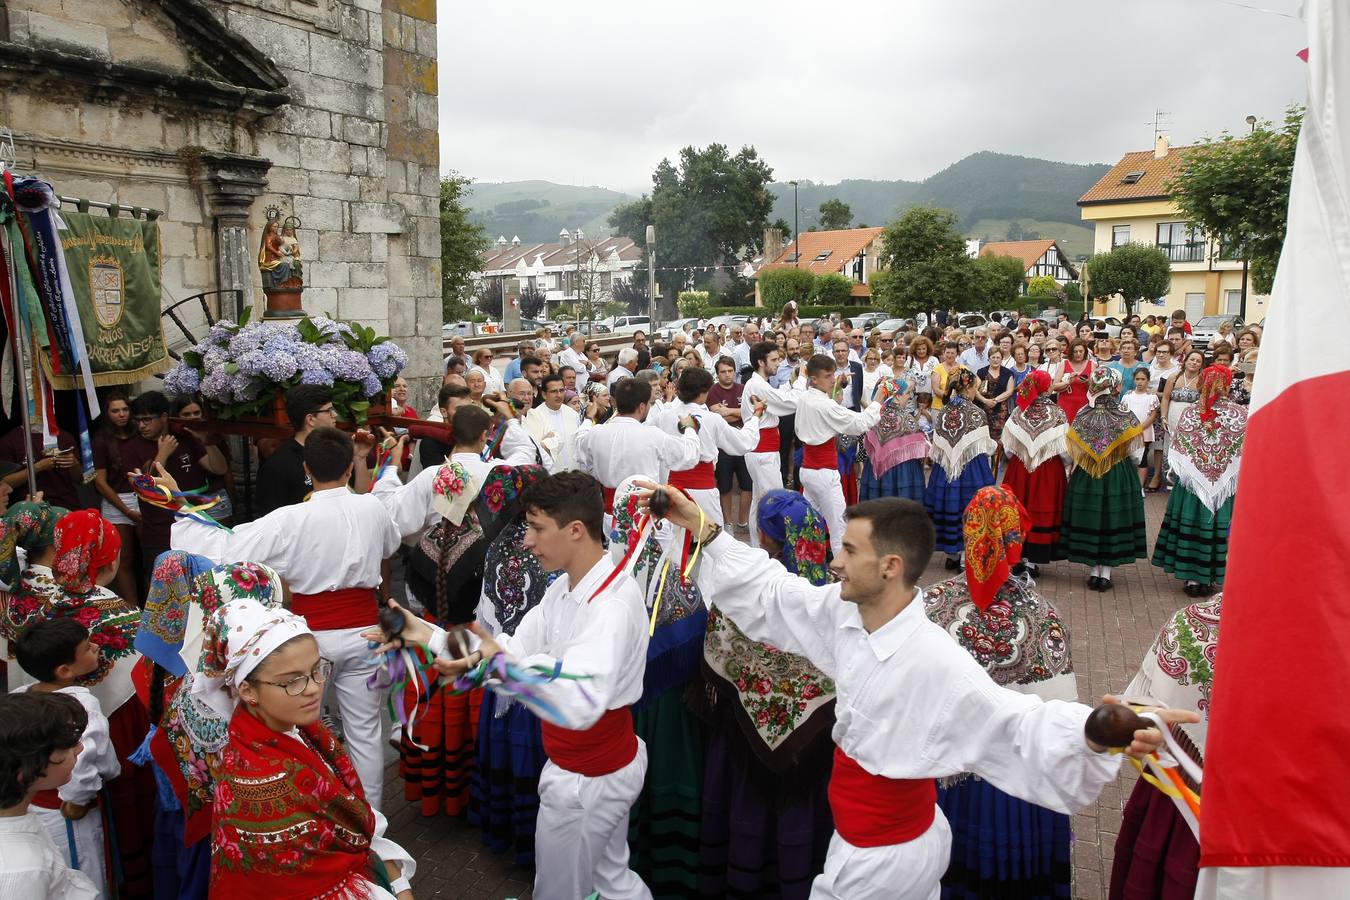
(598, 92)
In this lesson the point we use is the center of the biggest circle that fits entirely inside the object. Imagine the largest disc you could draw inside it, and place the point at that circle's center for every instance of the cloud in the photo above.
(599, 93)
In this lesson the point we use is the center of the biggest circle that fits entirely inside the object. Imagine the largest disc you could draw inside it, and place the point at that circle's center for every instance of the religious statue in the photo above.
(281, 265)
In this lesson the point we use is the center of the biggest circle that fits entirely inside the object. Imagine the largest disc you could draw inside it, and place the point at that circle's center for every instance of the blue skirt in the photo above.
(904, 480)
(505, 782)
(1002, 846)
(946, 501)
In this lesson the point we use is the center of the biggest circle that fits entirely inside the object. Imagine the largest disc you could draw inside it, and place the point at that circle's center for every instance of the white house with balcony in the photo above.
(557, 269)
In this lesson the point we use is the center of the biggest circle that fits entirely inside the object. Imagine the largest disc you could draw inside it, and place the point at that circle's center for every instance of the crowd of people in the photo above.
(673, 640)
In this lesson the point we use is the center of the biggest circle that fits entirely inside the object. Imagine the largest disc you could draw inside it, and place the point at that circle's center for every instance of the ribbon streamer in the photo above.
(177, 502)
(1167, 779)
(399, 670)
(518, 681)
(689, 561)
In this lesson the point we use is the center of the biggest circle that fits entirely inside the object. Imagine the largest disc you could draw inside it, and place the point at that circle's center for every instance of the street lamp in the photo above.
(796, 235)
(651, 277)
(1251, 120)
(1242, 302)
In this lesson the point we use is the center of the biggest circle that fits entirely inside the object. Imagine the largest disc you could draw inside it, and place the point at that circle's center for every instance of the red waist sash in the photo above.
(608, 494)
(605, 747)
(820, 456)
(769, 441)
(343, 608)
(49, 799)
(702, 477)
(873, 811)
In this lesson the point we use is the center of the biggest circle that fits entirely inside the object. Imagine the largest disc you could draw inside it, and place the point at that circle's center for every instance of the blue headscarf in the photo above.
(790, 520)
(164, 619)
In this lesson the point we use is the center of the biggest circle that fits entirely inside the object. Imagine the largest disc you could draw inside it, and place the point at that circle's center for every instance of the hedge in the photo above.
(803, 313)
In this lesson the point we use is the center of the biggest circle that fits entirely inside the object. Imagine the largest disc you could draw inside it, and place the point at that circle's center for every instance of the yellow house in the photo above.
(1130, 204)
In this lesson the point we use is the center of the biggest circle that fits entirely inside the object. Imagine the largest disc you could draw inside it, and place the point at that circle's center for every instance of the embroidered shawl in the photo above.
(897, 437)
(1205, 454)
(783, 703)
(1178, 670)
(1037, 433)
(513, 580)
(1103, 435)
(26, 525)
(291, 820)
(960, 434)
(1019, 638)
(446, 566)
(995, 525)
(85, 543)
(171, 612)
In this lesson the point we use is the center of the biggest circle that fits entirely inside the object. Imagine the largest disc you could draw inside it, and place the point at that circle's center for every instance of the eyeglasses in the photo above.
(141, 420)
(297, 685)
(325, 410)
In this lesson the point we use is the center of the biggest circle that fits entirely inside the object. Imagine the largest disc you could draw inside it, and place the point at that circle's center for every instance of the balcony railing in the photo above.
(1191, 251)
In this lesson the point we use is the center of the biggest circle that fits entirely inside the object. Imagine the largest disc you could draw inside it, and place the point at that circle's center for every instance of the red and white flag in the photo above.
(1276, 819)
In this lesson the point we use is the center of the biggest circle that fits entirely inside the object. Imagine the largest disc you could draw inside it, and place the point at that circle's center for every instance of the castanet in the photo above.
(1114, 725)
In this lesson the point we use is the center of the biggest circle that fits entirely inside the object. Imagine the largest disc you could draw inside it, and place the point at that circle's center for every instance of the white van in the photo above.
(630, 324)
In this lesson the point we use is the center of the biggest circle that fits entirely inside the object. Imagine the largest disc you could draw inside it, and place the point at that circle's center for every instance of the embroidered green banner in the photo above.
(114, 268)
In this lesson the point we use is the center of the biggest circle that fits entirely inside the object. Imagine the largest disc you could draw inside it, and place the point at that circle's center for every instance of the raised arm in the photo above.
(732, 441)
(847, 422)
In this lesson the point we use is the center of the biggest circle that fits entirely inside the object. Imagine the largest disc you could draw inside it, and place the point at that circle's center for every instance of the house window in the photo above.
(1120, 235)
(823, 255)
(1232, 302)
(1181, 242)
(1230, 248)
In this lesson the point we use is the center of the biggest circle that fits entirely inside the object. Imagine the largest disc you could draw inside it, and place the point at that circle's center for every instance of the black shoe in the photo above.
(953, 563)
(1094, 582)
(1191, 588)
(1104, 584)
(1205, 590)
(1032, 569)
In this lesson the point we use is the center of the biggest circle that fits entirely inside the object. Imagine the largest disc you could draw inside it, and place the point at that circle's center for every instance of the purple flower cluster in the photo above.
(269, 355)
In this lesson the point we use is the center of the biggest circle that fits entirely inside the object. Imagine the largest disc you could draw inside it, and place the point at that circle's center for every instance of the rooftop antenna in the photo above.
(1159, 122)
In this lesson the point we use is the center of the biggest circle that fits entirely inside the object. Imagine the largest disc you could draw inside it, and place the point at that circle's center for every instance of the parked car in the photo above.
(1203, 332)
(891, 325)
(866, 320)
(719, 321)
(628, 324)
(457, 329)
(971, 320)
(667, 331)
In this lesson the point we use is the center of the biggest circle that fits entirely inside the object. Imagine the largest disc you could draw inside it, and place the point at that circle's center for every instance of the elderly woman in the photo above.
(315, 835)
(1204, 457)
(482, 362)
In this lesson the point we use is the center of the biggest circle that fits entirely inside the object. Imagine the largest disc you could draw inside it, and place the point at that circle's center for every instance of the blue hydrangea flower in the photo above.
(387, 359)
(316, 376)
(278, 366)
(216, 386)
(250, 363)
(214, 358)
(182, 380)
(370, 385)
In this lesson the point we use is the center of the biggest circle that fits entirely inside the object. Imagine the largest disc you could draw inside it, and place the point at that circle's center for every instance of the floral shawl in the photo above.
(1205, 454)
(446, 566)
(960, 434)
(184, 592)
(1037, 432)
(783, 704)
(513, 580)
(27, 525)
(85, 543)
(291, 819)
(897, 437)
(1178, 669)
(112, 628)
(995, 525)
(1104, 432)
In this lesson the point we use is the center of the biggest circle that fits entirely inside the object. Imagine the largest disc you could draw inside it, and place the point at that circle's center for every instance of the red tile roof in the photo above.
(1150, 185)
(1027, 251)
(843, 246)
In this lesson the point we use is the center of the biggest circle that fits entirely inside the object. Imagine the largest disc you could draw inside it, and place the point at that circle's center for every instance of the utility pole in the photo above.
(651, 277)
(796, 230)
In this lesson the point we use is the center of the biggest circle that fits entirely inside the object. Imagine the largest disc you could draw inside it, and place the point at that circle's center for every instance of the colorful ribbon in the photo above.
(689, 561)
(491, 448)
(177, 502)
(399, 670)
(1167, 779)
(384, 458)
(518, 681)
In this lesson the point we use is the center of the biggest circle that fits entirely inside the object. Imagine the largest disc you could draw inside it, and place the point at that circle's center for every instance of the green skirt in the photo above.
(663, 830)
(1193, 542)
(1104, 518)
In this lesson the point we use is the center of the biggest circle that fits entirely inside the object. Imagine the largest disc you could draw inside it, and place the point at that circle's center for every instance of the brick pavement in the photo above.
(1108, 636)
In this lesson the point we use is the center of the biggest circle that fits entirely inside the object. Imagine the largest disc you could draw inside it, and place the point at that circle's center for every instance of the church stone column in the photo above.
(230, 183)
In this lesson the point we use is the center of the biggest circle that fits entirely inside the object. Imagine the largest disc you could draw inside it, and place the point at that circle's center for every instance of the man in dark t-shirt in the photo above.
(182, 456)
(58, 475)
(281, 477)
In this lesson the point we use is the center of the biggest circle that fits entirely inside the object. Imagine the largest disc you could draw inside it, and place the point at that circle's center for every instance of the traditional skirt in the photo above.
(131, 796)
(1104, 518)
(181, 873)
(438, 778)
(762, 834)
(1157, 855)
(1042, 493)
(505, 783)
(1002, 846)
(1193, 542)
(663, 826)
(946, 501)
(904, 480)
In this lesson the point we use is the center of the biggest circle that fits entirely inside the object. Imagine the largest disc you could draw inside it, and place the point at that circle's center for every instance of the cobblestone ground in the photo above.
(1108, 632)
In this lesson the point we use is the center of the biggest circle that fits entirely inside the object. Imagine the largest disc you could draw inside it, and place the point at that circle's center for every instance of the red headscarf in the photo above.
(996, 523)
(1036, 383)
(85, 542)
(1214, 384)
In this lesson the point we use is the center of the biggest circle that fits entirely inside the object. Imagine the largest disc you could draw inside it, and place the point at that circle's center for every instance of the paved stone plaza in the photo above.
(1108, 632)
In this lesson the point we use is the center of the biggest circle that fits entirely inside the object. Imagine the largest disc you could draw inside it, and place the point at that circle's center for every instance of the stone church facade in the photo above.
(214, 110)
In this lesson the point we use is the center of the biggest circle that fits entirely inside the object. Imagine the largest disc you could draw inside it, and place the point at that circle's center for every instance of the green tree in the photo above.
(1237, 190)
(1042, 286)
(778, 286)
(997, 281)
(707, 207)
(531, 302)
(835, 215)
(694, 303)
(925, 264)
(738, 291)
(833, 289)
(461, 243)
(782, 225)
(489, 299)
(633, 295)
(1134, 271)
(1073, 295)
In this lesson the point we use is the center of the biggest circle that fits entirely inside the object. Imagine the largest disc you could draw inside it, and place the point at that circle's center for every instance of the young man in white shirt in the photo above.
(912, 705)
(820, 419)
(714, 434)
(586, 625)
(765, 460)
(330, 550)
(553, 425)
(411, 506)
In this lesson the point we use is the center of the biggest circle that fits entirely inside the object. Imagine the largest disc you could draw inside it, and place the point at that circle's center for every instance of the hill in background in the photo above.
(991, 193)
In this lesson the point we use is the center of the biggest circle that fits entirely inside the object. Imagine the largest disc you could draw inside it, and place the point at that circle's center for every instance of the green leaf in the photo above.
(193, 359)
(232, 368)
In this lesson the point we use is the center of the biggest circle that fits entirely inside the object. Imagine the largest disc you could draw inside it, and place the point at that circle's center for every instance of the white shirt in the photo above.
(870, 380)
(619, 372)
(31, 868)
(973, 359)
(604, 638)
(741, 354)
(555, 431)
(623, 447)
(579, 363)
(97, 763)
(776, 402)
(912, 703)
(410, 505)
(714, 432)
(710, 359)
(819, 418)
(518, 448)
(336, 539)
(492, 377)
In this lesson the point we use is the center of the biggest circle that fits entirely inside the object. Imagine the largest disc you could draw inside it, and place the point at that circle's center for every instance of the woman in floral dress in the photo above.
(894, 450)
(1034, 438)
(960, 454)
(766, 820)
(1002, 846)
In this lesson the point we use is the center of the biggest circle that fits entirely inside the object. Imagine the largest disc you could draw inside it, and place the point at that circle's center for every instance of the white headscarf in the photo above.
(238, 637)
